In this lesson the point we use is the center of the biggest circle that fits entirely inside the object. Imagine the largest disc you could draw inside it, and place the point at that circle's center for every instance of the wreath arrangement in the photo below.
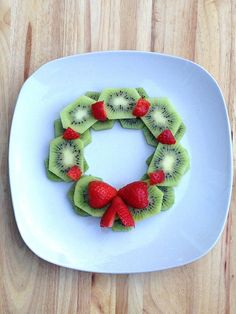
(90, 196)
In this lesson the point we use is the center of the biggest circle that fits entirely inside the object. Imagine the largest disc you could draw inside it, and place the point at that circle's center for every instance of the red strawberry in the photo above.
(141, 107)
(70, 134)
(166, 137)
(98, 111)
(156, 177)
(108, 217)
(100, 194)
(123, 212)
(74, 173)
(135, 194)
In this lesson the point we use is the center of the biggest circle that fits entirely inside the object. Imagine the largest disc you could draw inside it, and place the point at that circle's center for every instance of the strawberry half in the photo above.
(70, 134)
(141, 108)
(135, 194)
(98, 111)
(74, 173)
(100, 194)
(108, 217)
(166, 137)
(156, 177)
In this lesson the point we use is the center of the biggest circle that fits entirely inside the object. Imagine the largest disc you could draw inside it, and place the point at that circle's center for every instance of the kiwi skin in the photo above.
(106, 125)
(77, 210)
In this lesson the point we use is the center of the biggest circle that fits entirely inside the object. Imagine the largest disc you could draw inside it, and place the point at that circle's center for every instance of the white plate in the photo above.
(176, 237)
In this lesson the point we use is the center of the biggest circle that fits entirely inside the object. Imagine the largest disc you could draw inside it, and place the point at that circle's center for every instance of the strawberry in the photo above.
(70, 134)
(141, 107)
(108, 217)
(157, 177)
(100, 194)
(135, 194)
(166, 137)
(98, 111)
(117, 207)
(74, 173)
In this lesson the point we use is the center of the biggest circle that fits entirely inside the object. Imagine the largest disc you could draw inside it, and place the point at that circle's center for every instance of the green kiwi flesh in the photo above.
(58, 128)
(86, 166)
(161, 116)
(78, 115)
(168, 197)
(119, 102)
(149, 137)
(135, 123)
(173, 160)
(65, 154)
(142, 92)
(144, 177)
(118, 226)
(93, 95)
(180, 132)
(86, 137)
(149, 159)
(106, 125)
(51, 176)
(81, 196)
(77, 210)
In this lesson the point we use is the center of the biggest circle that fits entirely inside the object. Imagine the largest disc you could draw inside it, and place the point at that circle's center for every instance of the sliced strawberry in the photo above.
(70, 134)
(100, 194)
(135, 194)
(108, 217)
(123, 212)
(98, 111)
(156, 177)
(166, 137)
(141, 108)
(74, 173)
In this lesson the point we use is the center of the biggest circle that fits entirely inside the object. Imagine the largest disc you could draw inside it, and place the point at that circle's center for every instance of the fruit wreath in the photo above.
(90, 196)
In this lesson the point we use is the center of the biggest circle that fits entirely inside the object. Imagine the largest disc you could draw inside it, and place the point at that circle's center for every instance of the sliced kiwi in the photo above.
(86, 166)
(168, 197)
(173, 160)
(144, 177)
(86, 137)
(161, 116)
(93, 95)
(70, 195)
(106, 125)
(150, 138)
(78, 115)
(118, 226)
(142, 92)
(155, 197)
(180, 132)
(81, 196)
(135, 123)
(149, 159)
(51, 175)
(64, 155)
(119, 102)
(58, 128)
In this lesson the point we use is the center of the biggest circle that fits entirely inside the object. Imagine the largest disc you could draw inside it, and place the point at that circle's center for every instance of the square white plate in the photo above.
(181, 235)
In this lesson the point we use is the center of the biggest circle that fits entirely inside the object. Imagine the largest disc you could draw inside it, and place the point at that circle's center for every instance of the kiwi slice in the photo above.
(144, 177)
(58, 128)
(134, 123)
(168, 197)
(78, 115)
(70, 195)
(142, 92)
(150, 138)
(106, 125)
(118, 226)
(86, 166)
(51, 175)
(155, 197)
(149, 159)
(65, 154)
(93, 95)
(119, 102)
(86, 137)
(161, 116)
(173, 160)
(180, 132)
(81, 196)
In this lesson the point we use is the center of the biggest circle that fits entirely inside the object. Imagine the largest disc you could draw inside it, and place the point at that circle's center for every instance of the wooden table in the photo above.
(34, 32)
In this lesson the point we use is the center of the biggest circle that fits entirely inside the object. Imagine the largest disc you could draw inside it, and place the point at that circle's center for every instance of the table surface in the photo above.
(32, 34)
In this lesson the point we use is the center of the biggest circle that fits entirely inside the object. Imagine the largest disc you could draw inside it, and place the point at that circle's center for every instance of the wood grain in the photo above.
(34, 32)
